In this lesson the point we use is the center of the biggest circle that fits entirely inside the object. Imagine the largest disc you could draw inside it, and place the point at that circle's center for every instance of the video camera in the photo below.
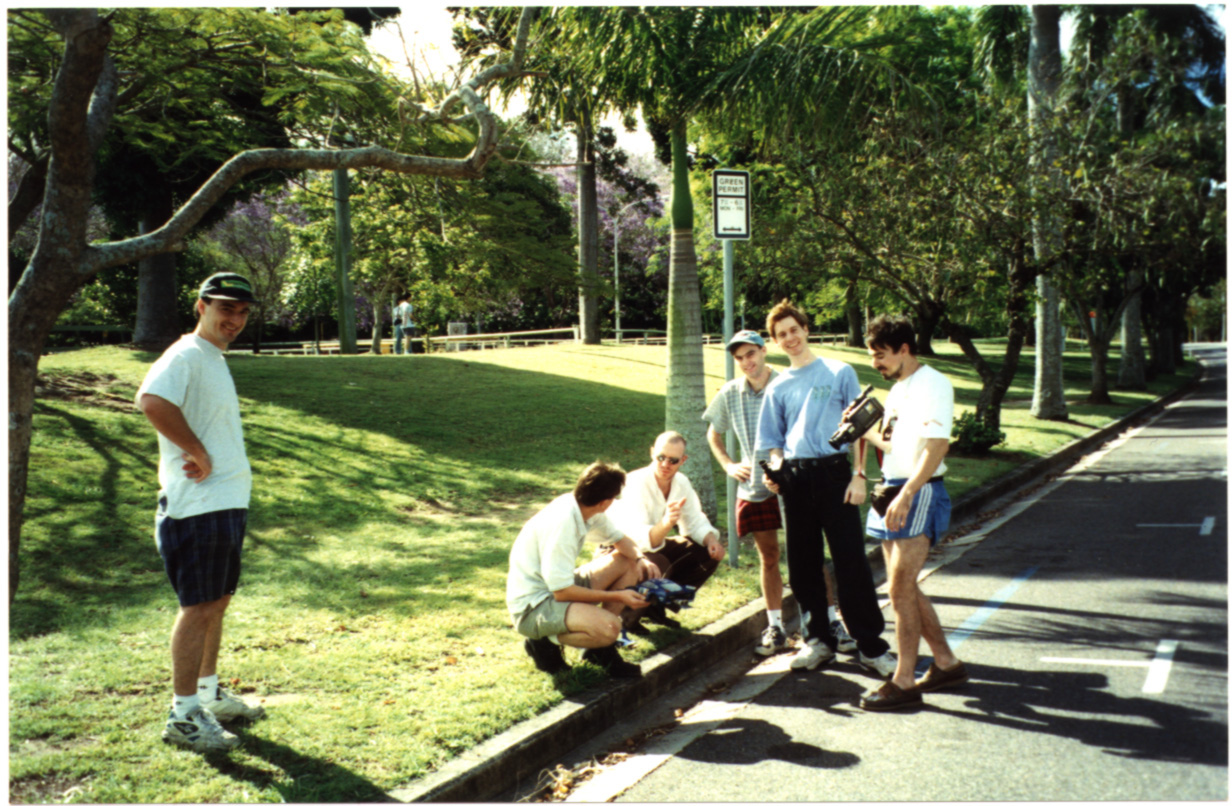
(866, 411)
(666, 593)
(770, 472)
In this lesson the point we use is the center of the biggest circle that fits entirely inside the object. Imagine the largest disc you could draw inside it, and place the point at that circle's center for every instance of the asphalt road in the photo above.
(1093, 617)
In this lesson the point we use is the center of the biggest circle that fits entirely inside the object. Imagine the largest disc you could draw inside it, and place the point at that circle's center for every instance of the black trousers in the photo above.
(813, 503)
(683, 561)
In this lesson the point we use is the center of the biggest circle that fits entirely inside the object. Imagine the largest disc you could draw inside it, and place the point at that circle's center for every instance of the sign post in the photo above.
(732, 222)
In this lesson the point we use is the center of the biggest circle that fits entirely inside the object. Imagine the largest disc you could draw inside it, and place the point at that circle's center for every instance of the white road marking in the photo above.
(1205, 529)
(1161, 667)
(977, 619)
(1158, 668)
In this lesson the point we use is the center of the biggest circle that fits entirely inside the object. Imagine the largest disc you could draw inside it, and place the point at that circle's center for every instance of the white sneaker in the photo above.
(814, 653)
(198, 731)
(228, 707)
(773, 639)
(846, 644)
(883, 665)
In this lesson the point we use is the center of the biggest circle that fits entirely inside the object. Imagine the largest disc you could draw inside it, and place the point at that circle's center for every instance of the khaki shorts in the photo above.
(547, 619)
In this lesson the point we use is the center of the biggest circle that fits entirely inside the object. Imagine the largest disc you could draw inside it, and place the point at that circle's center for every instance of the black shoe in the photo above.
(547, 656)
(610, 659)
(637, 628)
(658, 614)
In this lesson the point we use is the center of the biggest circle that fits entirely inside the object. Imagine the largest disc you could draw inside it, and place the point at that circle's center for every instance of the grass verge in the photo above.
(371, 618)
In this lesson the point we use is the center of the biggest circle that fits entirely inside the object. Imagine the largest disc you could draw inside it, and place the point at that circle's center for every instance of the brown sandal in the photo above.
(889, 697)
(937, 678)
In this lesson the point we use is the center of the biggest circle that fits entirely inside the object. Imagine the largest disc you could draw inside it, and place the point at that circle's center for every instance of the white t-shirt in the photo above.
(193, 375)
(545, 552)
(403, 312)
(921, 407)
(642, 505)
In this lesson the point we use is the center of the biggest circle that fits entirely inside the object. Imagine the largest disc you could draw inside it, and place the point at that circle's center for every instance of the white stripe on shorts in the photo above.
(923, 505)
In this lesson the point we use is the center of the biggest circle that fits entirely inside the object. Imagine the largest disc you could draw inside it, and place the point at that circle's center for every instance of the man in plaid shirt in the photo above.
(738, 405)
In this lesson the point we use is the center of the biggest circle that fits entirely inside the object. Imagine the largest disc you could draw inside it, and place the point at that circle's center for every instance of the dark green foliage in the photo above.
(973, 437)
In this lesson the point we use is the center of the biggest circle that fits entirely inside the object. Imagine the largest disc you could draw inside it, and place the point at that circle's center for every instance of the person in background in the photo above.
(403, 325)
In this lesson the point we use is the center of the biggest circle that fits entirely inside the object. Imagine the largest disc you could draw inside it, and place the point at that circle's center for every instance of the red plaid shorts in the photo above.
(758, 516)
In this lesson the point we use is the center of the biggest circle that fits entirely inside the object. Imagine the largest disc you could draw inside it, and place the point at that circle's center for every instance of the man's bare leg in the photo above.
(771, 573)
(904, 560)
(195, 640)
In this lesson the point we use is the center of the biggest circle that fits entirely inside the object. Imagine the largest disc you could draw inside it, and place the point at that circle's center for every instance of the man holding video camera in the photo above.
(802, 409)
(910, 507)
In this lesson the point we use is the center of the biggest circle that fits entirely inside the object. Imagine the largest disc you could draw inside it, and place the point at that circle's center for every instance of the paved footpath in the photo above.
(1093, 616)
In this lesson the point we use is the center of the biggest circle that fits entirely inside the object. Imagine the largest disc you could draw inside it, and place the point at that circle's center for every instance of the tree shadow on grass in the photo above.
(96, 558)
(471, 431)
(312, 780)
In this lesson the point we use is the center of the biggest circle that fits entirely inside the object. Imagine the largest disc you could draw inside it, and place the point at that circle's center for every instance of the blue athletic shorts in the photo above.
(930, 515)
(201, 553)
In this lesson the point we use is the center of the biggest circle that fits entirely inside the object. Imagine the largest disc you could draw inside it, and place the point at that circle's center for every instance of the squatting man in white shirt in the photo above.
(549, 599)
(658, 501)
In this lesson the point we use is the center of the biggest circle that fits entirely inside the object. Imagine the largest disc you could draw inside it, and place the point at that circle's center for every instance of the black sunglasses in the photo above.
(669, 459)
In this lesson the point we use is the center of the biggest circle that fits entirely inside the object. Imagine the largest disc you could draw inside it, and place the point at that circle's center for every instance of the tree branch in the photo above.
(167, 237)
(28, 196)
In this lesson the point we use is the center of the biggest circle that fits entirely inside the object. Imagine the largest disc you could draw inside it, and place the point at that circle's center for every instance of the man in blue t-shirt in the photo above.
(803, 406)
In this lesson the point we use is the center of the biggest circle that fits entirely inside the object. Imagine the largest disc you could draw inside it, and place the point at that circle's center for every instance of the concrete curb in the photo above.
(503, 762)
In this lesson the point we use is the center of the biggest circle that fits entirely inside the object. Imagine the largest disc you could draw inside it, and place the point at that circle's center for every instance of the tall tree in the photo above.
(1044, 80)
(80, 106)
(1156, 63)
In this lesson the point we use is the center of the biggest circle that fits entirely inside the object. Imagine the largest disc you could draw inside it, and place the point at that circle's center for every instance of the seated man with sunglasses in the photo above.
(659, 500)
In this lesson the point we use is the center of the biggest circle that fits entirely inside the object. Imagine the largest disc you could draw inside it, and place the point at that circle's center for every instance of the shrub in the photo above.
(973, 437)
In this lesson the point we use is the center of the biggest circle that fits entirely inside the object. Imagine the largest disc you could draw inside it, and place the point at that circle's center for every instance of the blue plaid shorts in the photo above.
(201, 553)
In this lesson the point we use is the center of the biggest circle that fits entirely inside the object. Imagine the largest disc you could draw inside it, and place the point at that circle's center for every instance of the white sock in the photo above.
(183, 706)
(207, 688)
(775, 617)
(833, 611)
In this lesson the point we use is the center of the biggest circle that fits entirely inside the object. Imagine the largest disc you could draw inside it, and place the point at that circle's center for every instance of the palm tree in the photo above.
(787, 71)
(1013, 38)
(1044, 78)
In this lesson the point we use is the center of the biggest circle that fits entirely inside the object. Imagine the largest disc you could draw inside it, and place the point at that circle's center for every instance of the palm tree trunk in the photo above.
(1048, 400)
(686, 372)
(1132, 374)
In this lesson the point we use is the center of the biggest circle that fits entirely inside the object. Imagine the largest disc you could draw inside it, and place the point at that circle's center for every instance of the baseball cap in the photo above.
(746, 337)
(227, 285)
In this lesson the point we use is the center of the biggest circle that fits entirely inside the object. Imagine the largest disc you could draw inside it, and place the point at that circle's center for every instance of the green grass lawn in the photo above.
(370, 618)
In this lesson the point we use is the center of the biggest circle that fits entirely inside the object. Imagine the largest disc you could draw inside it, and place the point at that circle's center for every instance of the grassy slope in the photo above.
(371, 616)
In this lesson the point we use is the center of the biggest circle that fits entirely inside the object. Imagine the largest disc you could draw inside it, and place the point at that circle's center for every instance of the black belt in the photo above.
(825, 461)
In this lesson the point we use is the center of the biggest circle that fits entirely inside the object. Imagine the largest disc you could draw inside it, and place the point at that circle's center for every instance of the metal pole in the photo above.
(616, 269)
(729, 259)
(616, 260)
